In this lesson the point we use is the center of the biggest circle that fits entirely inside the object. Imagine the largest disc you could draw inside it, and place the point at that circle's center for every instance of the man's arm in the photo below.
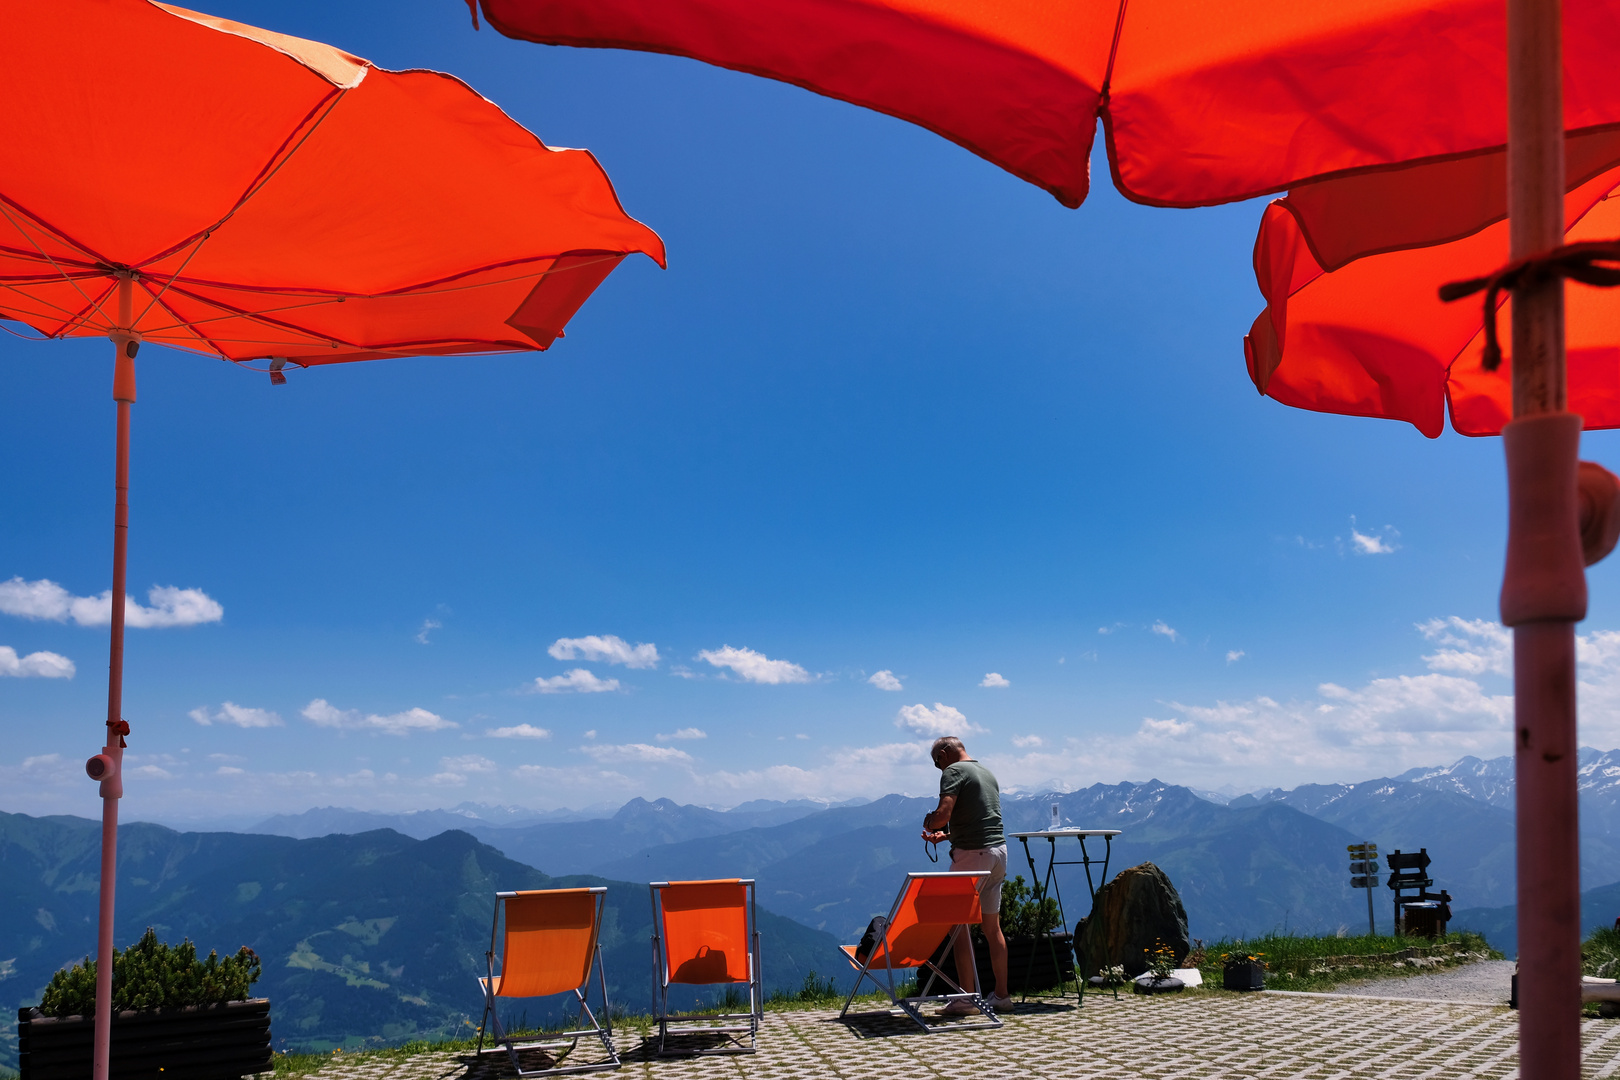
(939, 818)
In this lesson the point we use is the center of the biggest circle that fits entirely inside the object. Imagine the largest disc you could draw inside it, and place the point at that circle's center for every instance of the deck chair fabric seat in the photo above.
(549, 945)
(932, 908)
(706, 933)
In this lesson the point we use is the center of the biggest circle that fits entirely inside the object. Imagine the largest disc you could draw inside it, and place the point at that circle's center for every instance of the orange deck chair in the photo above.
(549, 948)
(706, 933)
(931, 908)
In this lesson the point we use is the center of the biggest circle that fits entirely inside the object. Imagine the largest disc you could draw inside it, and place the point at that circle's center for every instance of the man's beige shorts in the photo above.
(993, 859)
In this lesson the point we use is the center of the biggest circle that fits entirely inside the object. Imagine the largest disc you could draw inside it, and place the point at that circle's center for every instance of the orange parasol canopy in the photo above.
(275, 197)
(175, 178)
(1200, 103)
(1369, 336)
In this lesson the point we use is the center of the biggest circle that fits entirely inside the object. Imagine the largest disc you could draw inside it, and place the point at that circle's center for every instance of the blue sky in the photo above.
(888, 410)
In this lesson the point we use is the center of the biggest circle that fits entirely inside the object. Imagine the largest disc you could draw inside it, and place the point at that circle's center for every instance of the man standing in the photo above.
(970, 806)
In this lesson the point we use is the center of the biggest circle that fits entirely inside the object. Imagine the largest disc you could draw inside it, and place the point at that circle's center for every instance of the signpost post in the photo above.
(1364, 875)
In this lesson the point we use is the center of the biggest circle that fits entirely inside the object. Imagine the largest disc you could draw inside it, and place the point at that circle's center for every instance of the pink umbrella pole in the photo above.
(107, 766)
(1544, 586)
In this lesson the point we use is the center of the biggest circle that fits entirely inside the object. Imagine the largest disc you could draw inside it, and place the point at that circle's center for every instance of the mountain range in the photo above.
(372, 926)
(826, 866)
(1242, 869)
(368, 937)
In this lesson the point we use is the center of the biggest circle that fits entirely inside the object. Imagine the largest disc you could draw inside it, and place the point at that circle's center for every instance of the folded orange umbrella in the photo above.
(174, 178)
(1367, 335)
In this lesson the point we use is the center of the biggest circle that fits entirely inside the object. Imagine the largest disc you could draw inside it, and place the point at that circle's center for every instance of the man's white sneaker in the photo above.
(1001, 1004)
(959, 1007)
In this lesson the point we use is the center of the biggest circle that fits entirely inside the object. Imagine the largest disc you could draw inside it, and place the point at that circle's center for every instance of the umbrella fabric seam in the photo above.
(424, 288)
(266, 173)
(1338, 174)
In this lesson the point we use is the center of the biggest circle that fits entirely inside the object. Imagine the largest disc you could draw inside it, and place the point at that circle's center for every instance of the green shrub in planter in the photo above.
(152, 975)
(1021, 916)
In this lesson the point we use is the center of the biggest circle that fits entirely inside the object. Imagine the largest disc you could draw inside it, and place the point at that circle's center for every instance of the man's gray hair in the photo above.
(946, 742)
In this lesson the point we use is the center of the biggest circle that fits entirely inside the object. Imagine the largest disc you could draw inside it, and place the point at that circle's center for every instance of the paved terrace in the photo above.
(1190, 1035)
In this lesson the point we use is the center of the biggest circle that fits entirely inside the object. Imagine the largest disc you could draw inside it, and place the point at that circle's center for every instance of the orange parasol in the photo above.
(1368, 335)
(178, 179)
(1391, 110)
(1200, 103)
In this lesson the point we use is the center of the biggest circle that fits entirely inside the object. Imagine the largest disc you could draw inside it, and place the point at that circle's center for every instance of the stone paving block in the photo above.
(1257, 1036)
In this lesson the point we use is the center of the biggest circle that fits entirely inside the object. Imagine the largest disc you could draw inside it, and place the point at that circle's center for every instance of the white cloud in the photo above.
(428, 626)
(518, 731)
(637, 752)
(1025, 741)
(684, 733)
(468, 763)
(45, 599)
(1159, 627)
(577, 681)
(929, 723)
(608, 649)
(149, 772)
(1469, 646)
(1234, 655)
(886, 680)
(229, 770)
(994, 681)
(755, 667)
(236, 716)
(322, 714)
(862, 770)
(36, 665)
(1372, 543)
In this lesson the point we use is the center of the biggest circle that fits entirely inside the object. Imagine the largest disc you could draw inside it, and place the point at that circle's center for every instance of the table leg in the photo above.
(1091, 886)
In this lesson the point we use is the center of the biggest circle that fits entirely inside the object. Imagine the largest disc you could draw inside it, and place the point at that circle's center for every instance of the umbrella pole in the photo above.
(108, 765)
(1544, 587)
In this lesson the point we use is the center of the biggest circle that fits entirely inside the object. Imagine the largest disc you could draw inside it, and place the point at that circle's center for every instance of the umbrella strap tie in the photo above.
(1582, 262)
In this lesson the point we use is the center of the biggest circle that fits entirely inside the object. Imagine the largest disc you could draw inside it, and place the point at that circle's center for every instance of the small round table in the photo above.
(1041, 885)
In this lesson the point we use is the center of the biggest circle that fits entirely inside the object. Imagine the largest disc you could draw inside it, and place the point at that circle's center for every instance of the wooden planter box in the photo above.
(1031, 964)
(1250, 975)
(206, 1042)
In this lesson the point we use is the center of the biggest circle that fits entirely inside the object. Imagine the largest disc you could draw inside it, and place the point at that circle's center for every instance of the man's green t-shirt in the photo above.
(976, 817)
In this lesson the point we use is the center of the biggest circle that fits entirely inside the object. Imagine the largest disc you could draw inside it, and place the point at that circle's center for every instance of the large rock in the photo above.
(1133, 913)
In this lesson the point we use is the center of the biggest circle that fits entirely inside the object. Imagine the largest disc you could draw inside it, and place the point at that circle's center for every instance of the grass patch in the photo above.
(815, 991)
(1600, 956)
(1319, 963)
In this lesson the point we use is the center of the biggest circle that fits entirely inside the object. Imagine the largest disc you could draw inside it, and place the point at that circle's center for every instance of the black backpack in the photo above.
(870, 939)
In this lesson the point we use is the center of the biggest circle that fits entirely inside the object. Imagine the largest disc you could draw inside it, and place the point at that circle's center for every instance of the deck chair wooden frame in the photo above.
(701, 929)
(551, 942)
(910, 939)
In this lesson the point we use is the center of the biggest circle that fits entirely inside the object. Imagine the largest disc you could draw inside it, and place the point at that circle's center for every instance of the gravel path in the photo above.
(1483, 981)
